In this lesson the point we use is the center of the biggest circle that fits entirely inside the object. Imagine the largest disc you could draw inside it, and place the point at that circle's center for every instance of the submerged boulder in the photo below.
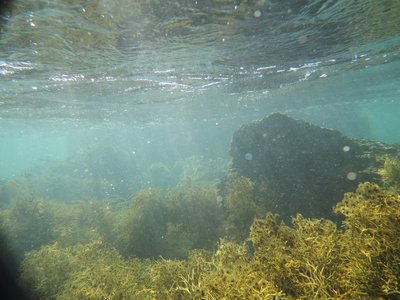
(307, 167)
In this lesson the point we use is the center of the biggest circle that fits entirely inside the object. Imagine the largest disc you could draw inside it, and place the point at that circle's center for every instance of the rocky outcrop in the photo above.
(307, 167)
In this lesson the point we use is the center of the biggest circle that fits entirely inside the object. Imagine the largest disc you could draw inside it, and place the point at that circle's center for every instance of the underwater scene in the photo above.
(209, 149)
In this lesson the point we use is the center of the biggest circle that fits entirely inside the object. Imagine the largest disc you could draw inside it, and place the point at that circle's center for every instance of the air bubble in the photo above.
(346, 148)
(248, 156)
(351, 176)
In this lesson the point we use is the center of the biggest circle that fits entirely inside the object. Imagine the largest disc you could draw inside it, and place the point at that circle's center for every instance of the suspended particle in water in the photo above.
(31, 23)
(248, 156)
(346, 148)
(351, 176)
(257, 14)
(302, 39)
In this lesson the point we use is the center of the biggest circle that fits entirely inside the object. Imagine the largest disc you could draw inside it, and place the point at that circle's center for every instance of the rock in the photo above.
(309, 168)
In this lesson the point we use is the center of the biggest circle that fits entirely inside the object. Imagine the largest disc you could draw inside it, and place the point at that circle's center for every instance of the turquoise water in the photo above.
(105, 105)
(77, 71)
(105, 98)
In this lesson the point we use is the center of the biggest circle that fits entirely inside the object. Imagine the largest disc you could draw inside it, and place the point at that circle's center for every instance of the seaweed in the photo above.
(308, 259)
(82, 222)
(390, 173)
(142, 228)
(170, 224)
(103, 274)
(45, 271)
(371, 241)
(28, 224)
(31, 222)
(241, 207)
(196, 215)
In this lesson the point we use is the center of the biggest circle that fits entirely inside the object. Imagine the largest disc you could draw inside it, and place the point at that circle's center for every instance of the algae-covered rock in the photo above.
(310, 167)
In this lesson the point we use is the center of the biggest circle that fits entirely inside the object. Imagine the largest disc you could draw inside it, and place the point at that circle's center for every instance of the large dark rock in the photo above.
(306, 168)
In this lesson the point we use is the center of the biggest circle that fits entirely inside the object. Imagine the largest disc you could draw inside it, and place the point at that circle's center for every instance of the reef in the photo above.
(195, 241)
(311, 259)
(309, 168)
